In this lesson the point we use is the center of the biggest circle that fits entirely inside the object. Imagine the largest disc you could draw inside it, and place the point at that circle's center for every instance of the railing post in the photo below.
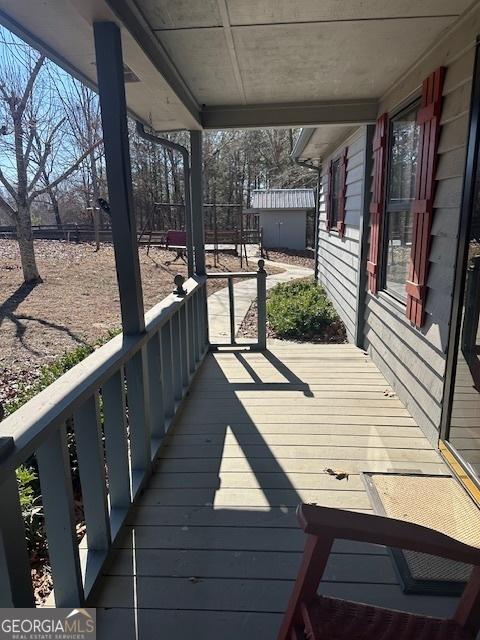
(177, 358)
(91, 465)
(57, 497)
(15, 579)
(138, 417)
(189, 309)
(116, 443)
(155, 374)
(231, 307)
(195, 328)
(204, 316)
(197, 201)
(196, 180)
(167, 368)
(262, 305)
(182, 314)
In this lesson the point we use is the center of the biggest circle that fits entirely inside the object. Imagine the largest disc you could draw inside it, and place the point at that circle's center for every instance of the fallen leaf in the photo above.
(339, 475)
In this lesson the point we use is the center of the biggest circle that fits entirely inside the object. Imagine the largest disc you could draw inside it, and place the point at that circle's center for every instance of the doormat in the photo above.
(437, 502)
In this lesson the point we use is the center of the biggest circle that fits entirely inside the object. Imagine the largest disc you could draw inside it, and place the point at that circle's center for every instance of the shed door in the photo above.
(286, 230)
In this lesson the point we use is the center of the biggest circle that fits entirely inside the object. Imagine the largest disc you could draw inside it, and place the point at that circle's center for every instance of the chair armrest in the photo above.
(362, 527)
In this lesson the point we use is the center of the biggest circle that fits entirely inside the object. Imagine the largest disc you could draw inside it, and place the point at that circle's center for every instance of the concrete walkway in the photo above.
(245, 292)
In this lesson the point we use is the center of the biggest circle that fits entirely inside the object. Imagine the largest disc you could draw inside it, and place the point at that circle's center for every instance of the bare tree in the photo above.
(82, 110)
(32, 130)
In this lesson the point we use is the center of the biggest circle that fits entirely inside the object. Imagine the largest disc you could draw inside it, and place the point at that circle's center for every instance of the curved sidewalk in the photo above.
(245, 294)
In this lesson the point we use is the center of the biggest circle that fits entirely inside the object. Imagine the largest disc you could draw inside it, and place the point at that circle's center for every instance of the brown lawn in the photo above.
(78, 301)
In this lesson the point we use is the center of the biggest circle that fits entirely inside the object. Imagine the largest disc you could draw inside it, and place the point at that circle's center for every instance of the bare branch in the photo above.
(28, 149)
(9, 187)
(42, 160)
(29, 86)
(66, 173)
(4, 93)
(10, 211)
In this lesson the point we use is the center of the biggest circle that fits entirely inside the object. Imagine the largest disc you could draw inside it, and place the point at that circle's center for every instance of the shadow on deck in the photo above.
(212, 547)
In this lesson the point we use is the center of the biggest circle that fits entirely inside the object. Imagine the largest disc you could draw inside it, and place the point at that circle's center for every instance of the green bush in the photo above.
(301, 310)
(32, 511)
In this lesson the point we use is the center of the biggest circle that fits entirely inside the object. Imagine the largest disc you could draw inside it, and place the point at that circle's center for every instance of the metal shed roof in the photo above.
(283, 199)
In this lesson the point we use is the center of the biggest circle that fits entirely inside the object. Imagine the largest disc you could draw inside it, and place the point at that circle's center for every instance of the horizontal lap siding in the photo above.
(338, 256)
(413, 360)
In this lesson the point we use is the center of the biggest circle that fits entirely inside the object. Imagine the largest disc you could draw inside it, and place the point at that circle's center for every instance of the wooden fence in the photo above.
(86, 233)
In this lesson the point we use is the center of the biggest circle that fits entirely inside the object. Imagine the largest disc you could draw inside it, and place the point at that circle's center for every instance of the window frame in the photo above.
(335, 198)
(389, 208)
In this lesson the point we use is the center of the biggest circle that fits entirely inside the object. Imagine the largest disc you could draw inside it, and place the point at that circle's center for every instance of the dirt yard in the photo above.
(77, 303)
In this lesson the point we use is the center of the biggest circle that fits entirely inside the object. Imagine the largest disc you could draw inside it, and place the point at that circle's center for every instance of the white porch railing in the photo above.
(122, 398)
(261, 278)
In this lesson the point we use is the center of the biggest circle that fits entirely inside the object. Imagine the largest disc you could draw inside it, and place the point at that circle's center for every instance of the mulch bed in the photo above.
(305, 258)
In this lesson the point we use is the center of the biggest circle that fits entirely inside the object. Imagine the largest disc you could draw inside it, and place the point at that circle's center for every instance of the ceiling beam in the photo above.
(138, 27)
(227, 30)
(347, 112)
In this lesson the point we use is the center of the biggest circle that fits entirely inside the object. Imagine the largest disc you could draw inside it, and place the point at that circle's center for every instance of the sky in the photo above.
(53, 82)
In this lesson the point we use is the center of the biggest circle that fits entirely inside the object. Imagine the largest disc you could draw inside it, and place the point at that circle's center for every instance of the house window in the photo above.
(402, 163)
(336, 193)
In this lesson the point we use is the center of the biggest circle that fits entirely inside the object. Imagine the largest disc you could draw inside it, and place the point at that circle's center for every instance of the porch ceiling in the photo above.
(243, 53)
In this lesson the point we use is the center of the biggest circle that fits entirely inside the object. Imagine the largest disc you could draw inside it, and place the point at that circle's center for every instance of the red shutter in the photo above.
(343, 194)
(376, 205)
(422, 207)
(328, 199)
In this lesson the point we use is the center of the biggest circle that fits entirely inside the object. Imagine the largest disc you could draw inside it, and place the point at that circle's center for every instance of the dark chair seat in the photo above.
(332, 619)
(324, 618)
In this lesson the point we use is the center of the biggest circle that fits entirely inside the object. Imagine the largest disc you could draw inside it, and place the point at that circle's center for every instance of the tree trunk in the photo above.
(25, 244)
(56, 211)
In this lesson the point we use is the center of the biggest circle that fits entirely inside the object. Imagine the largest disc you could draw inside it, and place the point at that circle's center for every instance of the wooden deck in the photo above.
(213, 545)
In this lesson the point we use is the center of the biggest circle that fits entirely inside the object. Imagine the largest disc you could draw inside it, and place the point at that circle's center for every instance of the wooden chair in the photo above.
(323, 618)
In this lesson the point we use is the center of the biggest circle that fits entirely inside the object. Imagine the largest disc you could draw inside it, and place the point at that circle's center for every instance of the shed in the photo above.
(283, 216)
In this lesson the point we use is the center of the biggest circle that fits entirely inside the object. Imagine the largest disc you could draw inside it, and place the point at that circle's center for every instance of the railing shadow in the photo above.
(192, 543)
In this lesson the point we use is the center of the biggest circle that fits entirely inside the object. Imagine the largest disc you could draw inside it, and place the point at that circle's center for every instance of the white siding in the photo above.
(338, 258)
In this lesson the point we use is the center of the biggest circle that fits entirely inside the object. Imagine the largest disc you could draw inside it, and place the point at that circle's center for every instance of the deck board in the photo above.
(212, 546)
